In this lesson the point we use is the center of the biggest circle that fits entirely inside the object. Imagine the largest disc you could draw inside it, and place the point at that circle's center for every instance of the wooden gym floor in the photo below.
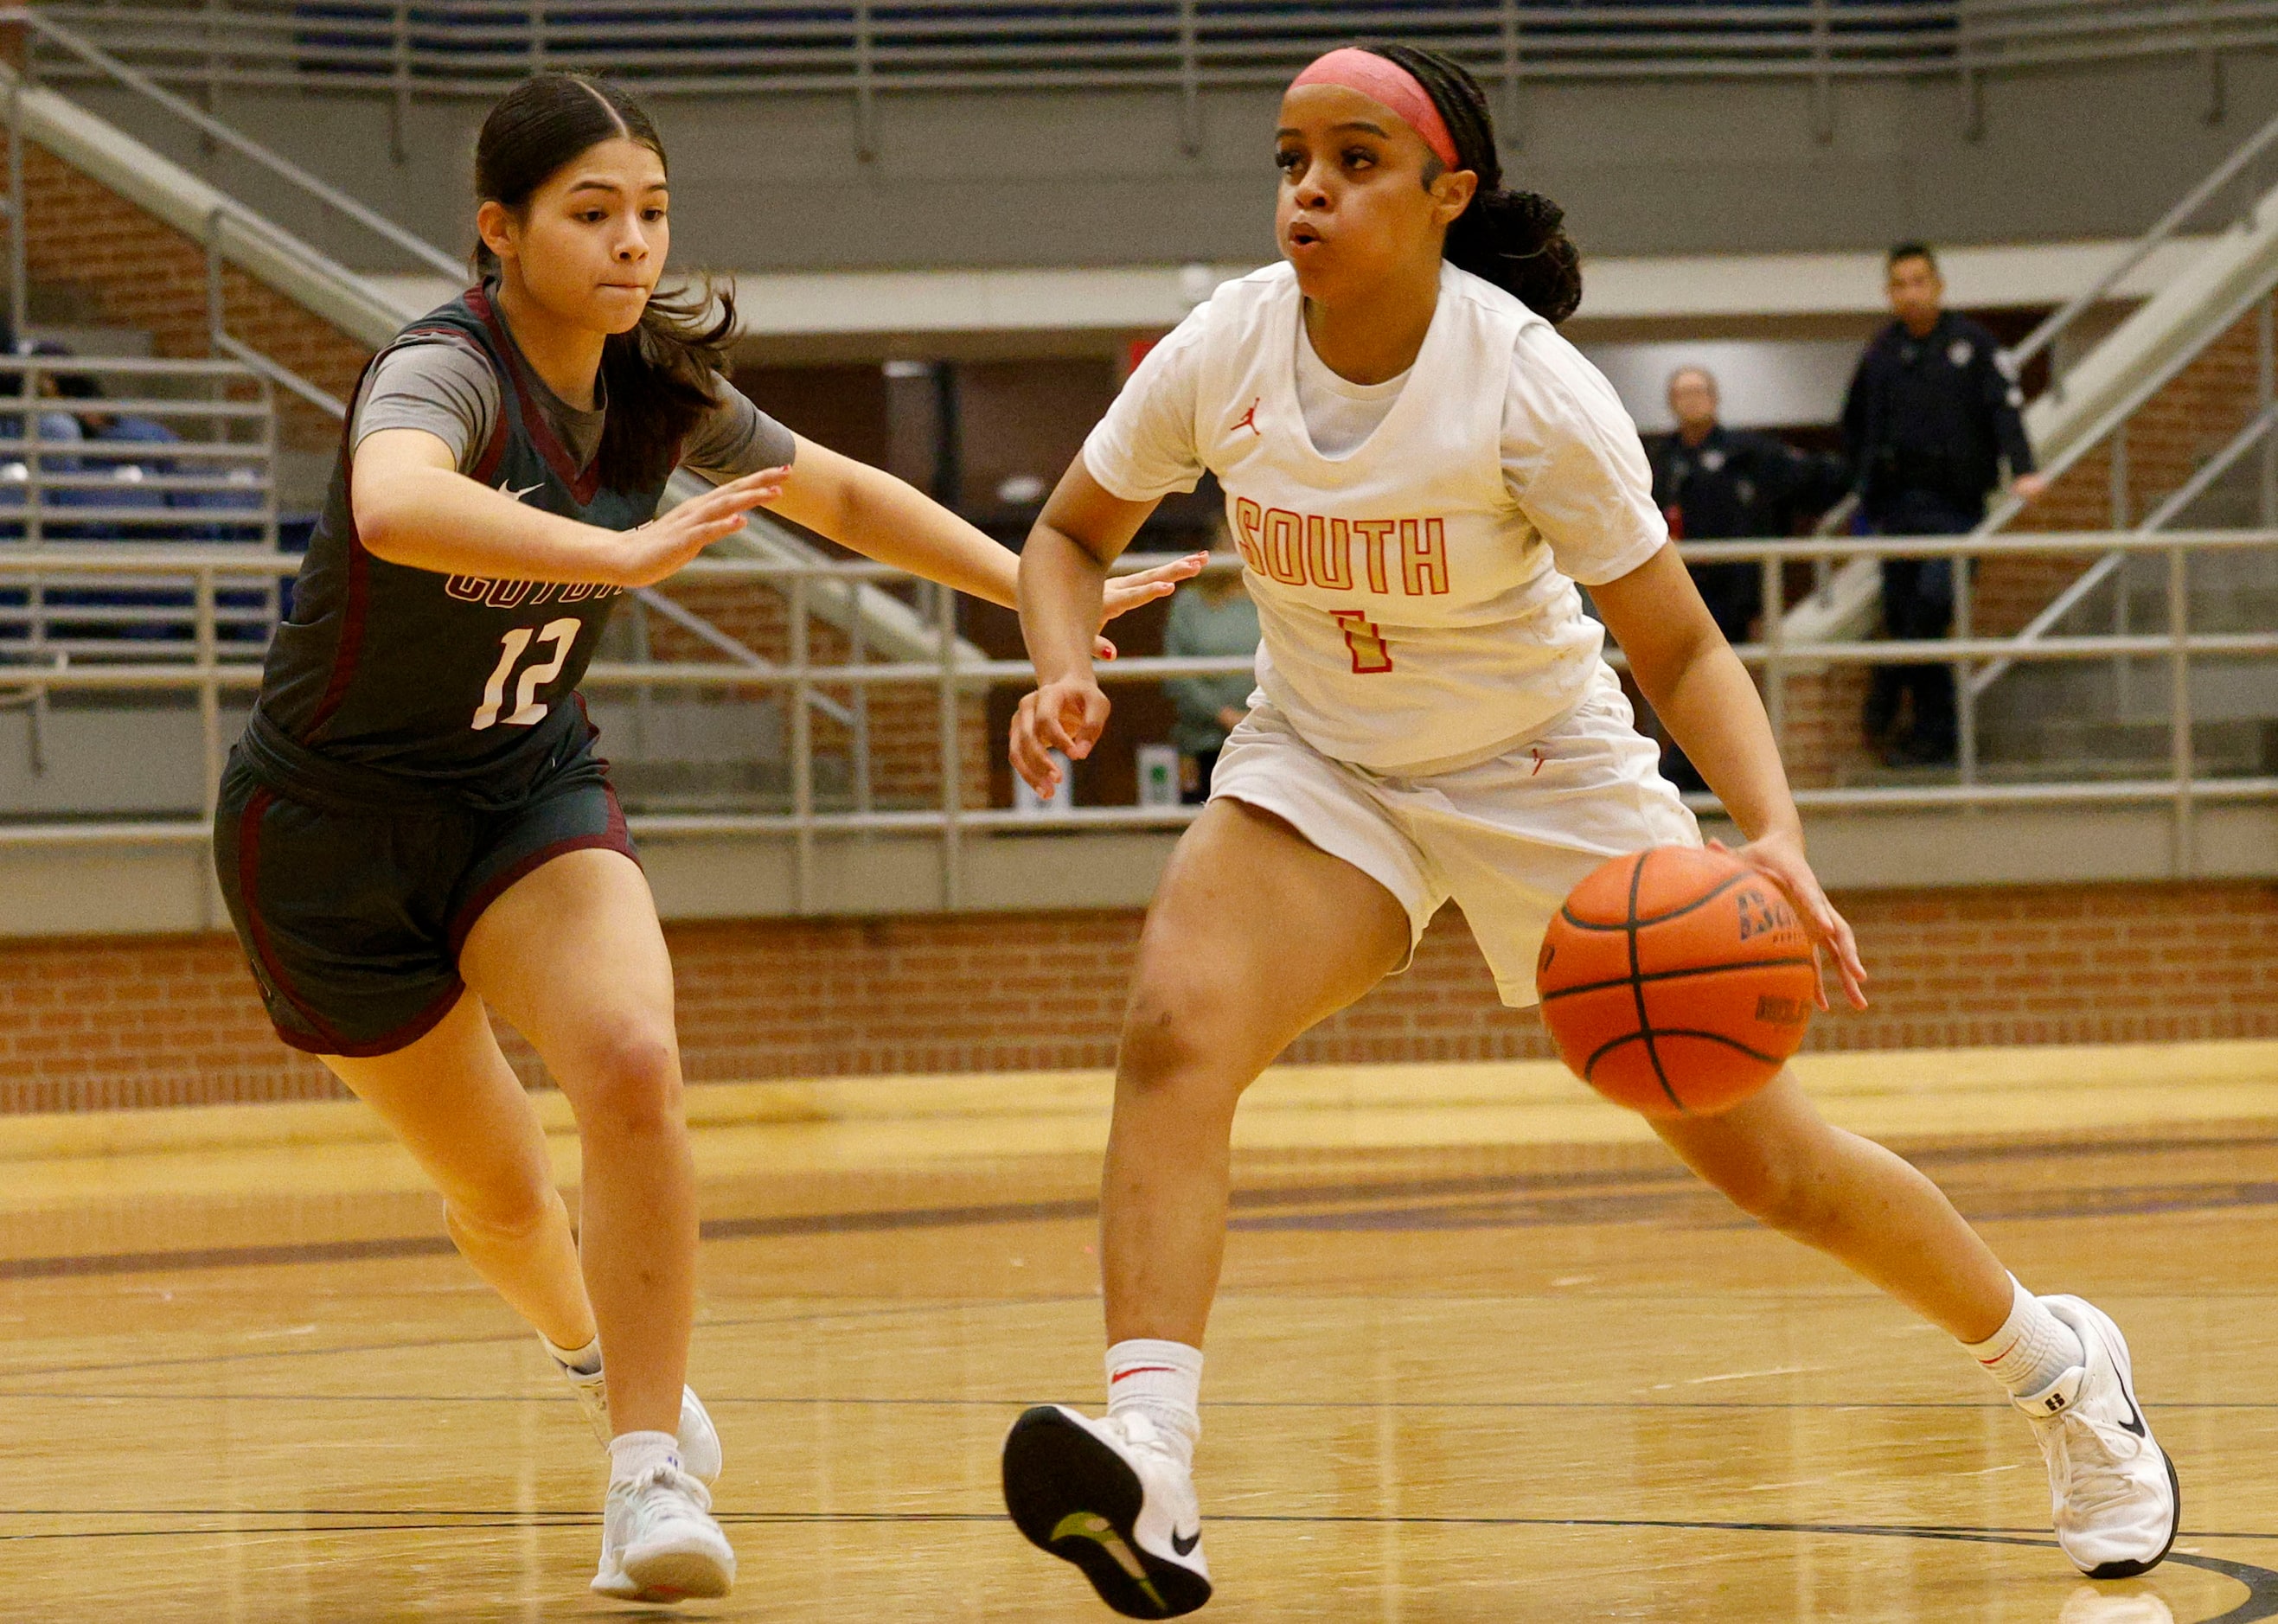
(1484, 1354)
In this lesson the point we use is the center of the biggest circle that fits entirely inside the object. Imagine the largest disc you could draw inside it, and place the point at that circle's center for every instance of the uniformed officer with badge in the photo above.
(1932, 414)
(1714, 482)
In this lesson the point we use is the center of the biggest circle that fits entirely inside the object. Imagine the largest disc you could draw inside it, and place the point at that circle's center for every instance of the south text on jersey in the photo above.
(1407, 557)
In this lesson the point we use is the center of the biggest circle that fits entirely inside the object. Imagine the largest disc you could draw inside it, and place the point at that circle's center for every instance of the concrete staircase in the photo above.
(2163, 393)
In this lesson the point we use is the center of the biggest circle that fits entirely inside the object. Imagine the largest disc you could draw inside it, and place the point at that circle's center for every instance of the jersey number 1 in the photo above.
(527, 711)
(1370, 656)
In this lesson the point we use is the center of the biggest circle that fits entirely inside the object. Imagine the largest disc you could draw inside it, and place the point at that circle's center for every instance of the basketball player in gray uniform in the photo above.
(416, 829)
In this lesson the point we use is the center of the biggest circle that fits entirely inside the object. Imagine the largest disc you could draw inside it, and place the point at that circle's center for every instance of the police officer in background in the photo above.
(1717, 484)
(1932, 414)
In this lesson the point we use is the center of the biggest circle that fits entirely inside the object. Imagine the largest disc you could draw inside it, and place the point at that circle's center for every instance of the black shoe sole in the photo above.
(1053, 1470)
(2130, 1570)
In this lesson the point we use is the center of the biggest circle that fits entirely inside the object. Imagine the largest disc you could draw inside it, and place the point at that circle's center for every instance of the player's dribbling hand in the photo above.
(1779, 859)
(659, 548)
(1066, 715)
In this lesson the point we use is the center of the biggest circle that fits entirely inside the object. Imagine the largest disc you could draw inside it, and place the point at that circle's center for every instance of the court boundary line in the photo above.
(2260, 1583)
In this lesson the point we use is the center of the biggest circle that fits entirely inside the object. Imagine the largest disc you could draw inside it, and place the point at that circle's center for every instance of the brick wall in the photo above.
(905, 724)
(125, 1022)
(121, 266)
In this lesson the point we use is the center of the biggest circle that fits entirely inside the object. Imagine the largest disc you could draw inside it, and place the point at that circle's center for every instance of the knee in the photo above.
(1176, 1043)
(511, 1213)
(630, 1086)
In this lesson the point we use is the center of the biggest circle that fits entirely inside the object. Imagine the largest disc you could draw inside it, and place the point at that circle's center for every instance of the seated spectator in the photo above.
(1717, 484)
(1212, 616)
(121, 486)
(53, 426)
(128, 477)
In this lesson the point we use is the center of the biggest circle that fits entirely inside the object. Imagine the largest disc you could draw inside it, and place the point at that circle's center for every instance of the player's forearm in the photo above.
(887, 519)
(1712, 708)
(1062, 590)
(433, 518)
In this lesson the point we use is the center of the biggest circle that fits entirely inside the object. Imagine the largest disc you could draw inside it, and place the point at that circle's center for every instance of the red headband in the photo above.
(1382, 80)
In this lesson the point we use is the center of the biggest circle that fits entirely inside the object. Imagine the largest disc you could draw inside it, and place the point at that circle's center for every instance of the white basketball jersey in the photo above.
(1413, 618)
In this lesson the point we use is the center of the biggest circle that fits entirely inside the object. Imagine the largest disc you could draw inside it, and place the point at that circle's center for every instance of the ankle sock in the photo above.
(634, 1454)
(584, 1360)
(1164, 1382)
(2031, 1350)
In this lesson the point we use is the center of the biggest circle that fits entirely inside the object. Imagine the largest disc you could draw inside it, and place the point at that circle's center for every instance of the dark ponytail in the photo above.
(1515, 239)
(660, 378)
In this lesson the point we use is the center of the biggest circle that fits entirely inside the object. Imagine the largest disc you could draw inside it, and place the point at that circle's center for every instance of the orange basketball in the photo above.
(1675, 981)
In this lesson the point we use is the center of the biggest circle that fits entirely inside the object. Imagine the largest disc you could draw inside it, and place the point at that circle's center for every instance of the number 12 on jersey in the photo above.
(528, 713)
(1370, 656)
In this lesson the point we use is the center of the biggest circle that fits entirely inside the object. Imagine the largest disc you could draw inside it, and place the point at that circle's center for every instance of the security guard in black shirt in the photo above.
(1932, 414)
(1715, 483)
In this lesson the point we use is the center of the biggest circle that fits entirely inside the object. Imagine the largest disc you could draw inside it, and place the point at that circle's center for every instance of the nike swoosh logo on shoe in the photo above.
(1185, 1543)
(2134, 1422)
(1091, 1526)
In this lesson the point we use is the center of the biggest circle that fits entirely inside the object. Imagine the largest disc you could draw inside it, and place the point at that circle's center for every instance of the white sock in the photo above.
(584, 1360)
(1164, 1382)
(2031, 1350)
(635, 1454)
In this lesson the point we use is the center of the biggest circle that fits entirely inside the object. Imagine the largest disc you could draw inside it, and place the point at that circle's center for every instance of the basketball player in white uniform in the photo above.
(1418, 469)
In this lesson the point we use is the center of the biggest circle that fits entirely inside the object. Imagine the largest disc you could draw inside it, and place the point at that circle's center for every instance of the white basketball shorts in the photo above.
(1507, 838)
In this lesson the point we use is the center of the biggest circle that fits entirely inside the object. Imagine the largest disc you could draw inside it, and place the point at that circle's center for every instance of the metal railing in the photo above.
(414, 48)
(226, 229)
(142, 451)
(2062, 320)
(1848, 598)
(221, 677)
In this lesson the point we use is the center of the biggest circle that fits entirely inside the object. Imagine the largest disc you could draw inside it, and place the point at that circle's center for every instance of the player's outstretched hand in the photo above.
(1125, 593)
(1779, 859)
(1066, 715)
(659, 547)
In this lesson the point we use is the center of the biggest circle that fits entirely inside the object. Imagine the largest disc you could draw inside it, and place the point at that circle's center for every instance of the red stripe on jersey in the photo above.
(614, 836)
(351, 642)
(583, 482)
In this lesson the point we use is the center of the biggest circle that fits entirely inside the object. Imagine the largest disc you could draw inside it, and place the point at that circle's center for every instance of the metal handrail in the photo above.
(218, 675)
(746, 46)
(43, 26)
(2058, 321)
(218, 485)
(2258, 429)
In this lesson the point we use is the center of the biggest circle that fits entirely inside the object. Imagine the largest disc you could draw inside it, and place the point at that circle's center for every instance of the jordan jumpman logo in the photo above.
(1249, 419)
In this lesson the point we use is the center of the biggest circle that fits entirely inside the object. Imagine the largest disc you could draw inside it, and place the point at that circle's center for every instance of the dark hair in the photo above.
(659, 378)
(1515, 239)
(1910, 250)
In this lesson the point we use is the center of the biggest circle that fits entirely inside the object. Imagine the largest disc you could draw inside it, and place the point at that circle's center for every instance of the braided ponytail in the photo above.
(1515, 239)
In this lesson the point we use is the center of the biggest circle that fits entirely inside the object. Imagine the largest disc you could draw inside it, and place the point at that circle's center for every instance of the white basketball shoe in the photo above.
(658, 1543)
(700, 1439)
(1110, 1496)
(2112, 1490)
